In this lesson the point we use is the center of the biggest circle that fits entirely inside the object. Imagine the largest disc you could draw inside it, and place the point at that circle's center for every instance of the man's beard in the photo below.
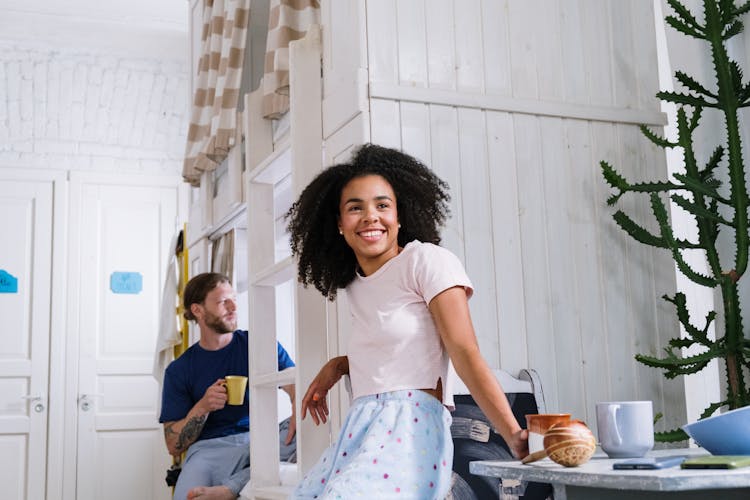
(219, 324)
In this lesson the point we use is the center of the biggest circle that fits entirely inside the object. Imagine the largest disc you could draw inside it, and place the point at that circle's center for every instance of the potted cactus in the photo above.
(716, 206)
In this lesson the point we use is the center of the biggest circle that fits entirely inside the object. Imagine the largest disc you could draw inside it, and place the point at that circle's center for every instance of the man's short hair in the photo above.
(197, 288)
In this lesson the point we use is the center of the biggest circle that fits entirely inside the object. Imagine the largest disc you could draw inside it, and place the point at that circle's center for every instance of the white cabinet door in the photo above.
(122, 242)
(25, 289)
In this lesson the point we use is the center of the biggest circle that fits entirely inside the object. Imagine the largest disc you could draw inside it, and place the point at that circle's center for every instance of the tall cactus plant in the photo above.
(714, 206)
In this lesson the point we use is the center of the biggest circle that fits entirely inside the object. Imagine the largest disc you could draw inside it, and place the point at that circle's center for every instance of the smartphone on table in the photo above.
(649, 463)
(717, 462)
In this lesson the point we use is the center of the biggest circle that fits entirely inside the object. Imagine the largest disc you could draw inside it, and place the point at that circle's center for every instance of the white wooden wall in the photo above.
(514, 103)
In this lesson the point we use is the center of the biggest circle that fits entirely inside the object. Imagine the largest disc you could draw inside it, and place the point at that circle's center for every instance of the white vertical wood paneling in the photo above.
(439, 36)
(412, 52)
(568, 292)
(478, 228)
(564, 336)
(445, 158)
(532, 214)
(548, 50)
(572, 49)
(523, 64)
(585, 203)
(385, 113)
(644, 57)
(496, 39)
(506, 241)
(468, 40)
(595, 39)
(611, 263)
(415, 130)
(382, 46)
(344, 57)
(625, 77)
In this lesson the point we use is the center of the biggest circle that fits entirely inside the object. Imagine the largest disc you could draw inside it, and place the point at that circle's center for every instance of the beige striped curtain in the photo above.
(288, 20)
(213, 118)
(222, 255)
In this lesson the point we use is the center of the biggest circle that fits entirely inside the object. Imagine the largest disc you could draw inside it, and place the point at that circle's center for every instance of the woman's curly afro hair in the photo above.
(325, 259)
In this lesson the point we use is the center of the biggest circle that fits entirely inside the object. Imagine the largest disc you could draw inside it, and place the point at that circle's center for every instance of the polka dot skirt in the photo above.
(392, 445)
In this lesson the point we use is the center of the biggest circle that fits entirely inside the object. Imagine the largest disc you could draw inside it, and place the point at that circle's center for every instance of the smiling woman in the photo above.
(372, 227)
(368, 221)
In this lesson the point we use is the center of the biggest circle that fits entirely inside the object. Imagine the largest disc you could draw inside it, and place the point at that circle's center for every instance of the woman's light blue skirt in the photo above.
(392, 445)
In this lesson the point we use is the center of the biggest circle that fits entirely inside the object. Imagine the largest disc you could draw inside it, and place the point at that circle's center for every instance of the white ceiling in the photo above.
(139, 27)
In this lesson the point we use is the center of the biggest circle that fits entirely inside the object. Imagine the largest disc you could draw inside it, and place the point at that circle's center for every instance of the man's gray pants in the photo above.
(224, 461)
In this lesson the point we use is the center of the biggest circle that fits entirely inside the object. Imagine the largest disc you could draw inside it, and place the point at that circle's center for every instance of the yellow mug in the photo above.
(235, 385)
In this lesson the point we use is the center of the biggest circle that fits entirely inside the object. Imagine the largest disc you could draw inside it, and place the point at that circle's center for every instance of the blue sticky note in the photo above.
(123, 282)
(8, 282)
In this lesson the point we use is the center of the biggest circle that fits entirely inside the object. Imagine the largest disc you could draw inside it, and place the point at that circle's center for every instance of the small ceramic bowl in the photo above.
(724, 434)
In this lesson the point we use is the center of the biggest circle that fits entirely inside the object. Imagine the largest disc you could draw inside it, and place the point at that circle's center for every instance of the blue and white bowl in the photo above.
(724, 434)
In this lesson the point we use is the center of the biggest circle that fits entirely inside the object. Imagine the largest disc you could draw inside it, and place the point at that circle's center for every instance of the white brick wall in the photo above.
(69, 109)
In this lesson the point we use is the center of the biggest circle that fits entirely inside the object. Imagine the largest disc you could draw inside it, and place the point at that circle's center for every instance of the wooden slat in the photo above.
(385, 122)
(272, 492)
(624, 74)
(273, 275)
(572, 47)
(469, 56)
(382, 91)
(585, 201)
(440, 37)
(612, 261)
(273, 379)
(565, 333)
(478, 229)
(532, 221)
(344, 60)
(445, 157)
(415, 130)
(644, 50)
(595, 28)
(412, 52)
(551, 74)
(522, 18)
(495, 30)
(503, 184)
(382, 50)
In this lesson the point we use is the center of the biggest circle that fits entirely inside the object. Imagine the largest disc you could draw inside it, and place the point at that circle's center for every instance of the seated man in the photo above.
(195, 413)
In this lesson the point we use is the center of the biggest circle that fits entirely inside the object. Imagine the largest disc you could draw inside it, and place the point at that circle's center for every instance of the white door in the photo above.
(125, 231)
(25, 289)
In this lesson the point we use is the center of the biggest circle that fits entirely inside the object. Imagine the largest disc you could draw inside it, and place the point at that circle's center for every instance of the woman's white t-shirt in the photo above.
(394, 343)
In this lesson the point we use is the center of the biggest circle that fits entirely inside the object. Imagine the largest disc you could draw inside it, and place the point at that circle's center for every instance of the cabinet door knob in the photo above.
(84, 401)
(39, 406)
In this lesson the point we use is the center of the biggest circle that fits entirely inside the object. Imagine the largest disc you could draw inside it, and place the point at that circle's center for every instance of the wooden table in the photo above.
(597, 480)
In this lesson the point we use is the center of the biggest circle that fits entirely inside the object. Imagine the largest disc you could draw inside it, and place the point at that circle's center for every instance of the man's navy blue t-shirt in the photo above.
(187, 378)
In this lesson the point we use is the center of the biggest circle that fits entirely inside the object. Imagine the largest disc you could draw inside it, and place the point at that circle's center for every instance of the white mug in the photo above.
(625, 428)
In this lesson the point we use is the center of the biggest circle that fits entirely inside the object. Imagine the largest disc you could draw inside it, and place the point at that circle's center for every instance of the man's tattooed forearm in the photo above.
(189, 433)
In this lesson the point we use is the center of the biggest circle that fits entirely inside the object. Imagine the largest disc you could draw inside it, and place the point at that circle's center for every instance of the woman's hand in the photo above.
(315, 397)
(519, 443)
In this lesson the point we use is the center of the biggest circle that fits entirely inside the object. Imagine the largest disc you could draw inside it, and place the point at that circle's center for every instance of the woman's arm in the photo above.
(315, 397)
(450, 310)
